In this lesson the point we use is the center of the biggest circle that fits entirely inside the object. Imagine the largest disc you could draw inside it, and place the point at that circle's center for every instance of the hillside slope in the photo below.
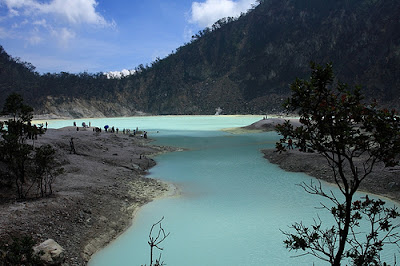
(245, 66)
(241, 65)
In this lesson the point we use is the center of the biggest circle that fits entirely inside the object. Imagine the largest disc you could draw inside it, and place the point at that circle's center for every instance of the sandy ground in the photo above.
(95, 200)
(382, 181)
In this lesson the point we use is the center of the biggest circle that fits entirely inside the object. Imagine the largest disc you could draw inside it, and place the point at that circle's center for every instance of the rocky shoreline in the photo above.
(95, 200)
(383, 181)
(105, 184)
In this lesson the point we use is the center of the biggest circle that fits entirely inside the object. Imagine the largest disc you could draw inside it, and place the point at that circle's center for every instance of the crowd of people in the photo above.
(107, 128)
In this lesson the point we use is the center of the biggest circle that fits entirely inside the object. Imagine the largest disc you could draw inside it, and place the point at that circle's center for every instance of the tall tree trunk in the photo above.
(345, 231)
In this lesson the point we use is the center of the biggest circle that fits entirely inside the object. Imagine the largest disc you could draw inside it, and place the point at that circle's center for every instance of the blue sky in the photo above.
(104, 35)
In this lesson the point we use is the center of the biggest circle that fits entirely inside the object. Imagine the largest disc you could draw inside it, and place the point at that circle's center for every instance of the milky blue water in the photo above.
(233, 203)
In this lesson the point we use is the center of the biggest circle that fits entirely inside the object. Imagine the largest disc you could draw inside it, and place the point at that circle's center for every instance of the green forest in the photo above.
(242, 65)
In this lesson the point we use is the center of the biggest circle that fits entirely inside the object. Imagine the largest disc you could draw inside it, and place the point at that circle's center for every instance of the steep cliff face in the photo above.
(80, 108)
(243, 65)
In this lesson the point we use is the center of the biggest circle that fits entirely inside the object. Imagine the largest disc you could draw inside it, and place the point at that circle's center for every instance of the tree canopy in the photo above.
(21, 163)
(354, 137)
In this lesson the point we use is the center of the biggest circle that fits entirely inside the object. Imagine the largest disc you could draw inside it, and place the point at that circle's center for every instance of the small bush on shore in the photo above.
(19, 251)
(20, 163)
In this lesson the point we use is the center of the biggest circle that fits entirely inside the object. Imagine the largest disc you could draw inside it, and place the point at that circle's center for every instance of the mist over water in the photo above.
(233, 202)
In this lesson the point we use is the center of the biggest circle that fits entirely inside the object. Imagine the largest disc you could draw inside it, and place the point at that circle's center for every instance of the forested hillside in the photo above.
(241, 65)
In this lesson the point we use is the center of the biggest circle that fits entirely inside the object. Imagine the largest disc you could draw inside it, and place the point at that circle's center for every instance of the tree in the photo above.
(26, 166)
(19, 252)
(354, 137)
(15, 107)
(155, 241)
(45, 169)
(14, 132)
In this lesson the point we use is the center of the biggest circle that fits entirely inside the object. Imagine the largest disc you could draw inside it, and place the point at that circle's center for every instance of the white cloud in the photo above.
(4, 33)
(76, 11)
(37, 21)
(41, 22)
(63, 36)
(13, 13)
(35, 39)
(21, 24)
(72, 11)
(18, 3)
(187, 33)
(207, 13)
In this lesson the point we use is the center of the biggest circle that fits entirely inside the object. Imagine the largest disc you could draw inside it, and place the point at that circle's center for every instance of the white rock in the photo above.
(52, 251)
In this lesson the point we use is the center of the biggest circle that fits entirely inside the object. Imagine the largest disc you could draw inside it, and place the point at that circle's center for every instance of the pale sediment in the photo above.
(95, 200)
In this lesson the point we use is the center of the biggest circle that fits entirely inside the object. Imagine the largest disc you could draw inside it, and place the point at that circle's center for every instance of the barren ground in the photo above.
(95, 200)
(382, 181)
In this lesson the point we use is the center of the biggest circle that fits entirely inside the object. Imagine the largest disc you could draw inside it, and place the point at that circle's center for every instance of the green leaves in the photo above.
(320, 242)
(24, 163)
(353, 136)
(46, 169)
(295, 242)
(19, 252)
(335, 120)
(15, 107)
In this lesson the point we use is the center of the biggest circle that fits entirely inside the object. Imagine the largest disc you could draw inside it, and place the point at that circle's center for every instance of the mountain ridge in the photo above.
(242, 65)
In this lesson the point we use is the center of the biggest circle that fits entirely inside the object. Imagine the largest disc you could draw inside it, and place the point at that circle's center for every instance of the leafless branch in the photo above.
(155, 241)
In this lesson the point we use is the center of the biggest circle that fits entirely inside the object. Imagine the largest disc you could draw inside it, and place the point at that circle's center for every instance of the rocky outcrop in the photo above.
(50, 252)
(63, 107)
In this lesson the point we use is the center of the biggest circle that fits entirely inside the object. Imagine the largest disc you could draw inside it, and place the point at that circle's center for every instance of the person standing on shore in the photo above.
(290, 144)
(72, 146)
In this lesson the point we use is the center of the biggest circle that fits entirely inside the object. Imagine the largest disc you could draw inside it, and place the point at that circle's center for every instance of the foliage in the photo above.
(45, 171)
(242, 65)
(15, 152)
(354, 137)
(15, 107)
(19, 252)
(25, 164)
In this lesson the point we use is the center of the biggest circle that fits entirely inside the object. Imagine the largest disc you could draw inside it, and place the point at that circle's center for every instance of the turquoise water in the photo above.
(165, 123)
(233, 203)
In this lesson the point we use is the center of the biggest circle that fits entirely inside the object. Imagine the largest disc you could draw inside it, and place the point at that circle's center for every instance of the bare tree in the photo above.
(155, 240)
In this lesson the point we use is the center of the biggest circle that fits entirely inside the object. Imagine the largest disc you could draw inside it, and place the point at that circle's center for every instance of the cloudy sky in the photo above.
(104, 35)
